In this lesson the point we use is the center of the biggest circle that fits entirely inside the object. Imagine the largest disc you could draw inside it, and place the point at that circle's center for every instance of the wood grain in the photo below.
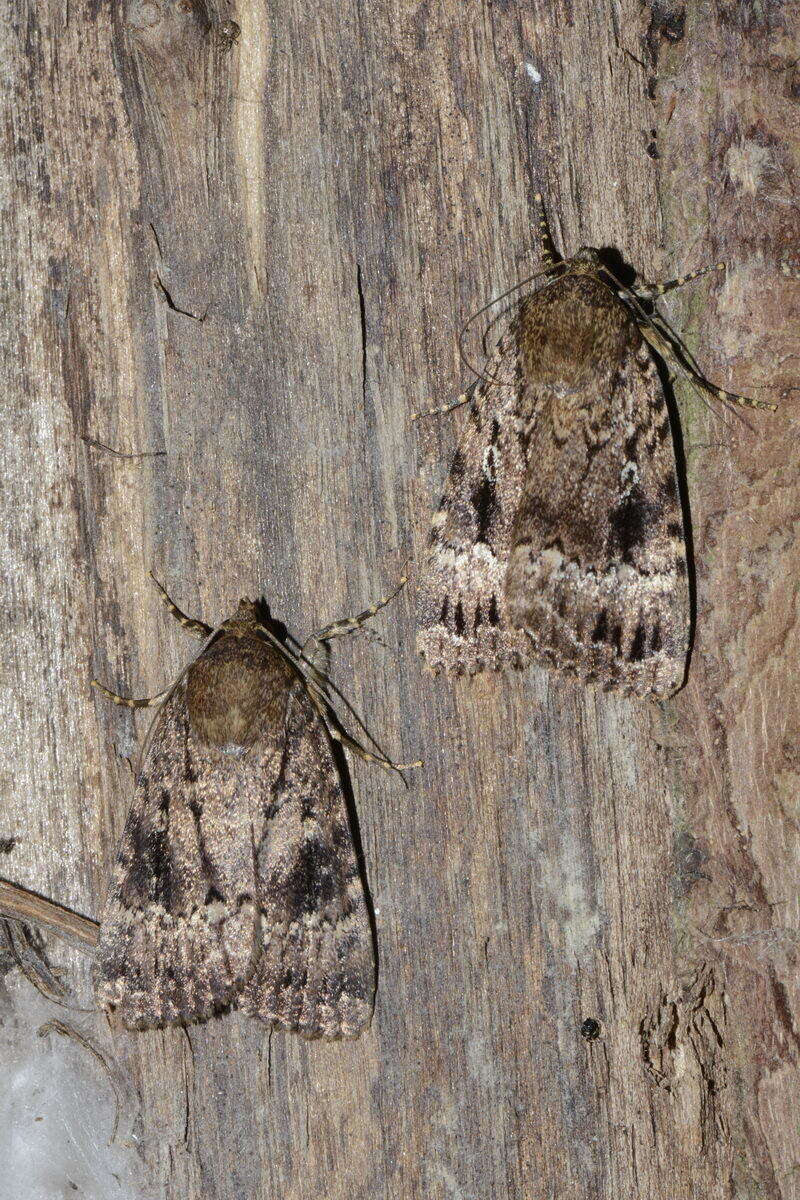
(255, 257)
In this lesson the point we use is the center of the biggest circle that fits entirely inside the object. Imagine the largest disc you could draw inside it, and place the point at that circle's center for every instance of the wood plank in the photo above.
(255, 257)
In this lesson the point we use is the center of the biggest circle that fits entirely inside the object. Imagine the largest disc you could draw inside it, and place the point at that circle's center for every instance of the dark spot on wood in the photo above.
(460, 623)
(590, 1029)
(228, 32)
(213, 896)
(493, 616)
(674, 529)
(689, 857)
(655, 639)
(673, 26)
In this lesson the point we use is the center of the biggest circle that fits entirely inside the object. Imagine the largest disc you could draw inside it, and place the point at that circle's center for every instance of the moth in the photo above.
(237, 884)
(560, 534)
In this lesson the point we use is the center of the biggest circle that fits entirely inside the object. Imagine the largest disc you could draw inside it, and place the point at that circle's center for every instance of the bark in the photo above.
(250, 259)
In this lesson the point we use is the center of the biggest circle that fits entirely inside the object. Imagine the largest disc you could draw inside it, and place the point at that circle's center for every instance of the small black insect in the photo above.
(590, 1029)
(228, 32)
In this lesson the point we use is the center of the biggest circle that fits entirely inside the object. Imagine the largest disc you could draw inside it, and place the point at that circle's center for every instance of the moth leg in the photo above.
(198, 628)
(649, 291)
(550, 255)
(463, 398)
(126, 701)
(350, 743)
(663, 347)
(350, 624)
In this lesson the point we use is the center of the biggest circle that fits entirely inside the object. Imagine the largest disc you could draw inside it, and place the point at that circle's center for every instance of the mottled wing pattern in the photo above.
(597, 566)
(464, 625)
(316, 972)
(179, 937)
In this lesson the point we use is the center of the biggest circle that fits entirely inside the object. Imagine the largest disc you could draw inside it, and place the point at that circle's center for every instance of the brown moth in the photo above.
(560, 534)
(236, 883)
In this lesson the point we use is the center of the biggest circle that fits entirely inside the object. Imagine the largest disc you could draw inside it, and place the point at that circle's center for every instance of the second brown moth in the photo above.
(237, 883)
(560, 534)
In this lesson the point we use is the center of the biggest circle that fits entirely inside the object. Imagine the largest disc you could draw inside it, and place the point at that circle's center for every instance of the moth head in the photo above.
(249, 614)
(586, 262)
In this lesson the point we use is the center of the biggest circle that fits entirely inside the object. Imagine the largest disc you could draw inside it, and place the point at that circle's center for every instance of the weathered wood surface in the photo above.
(254, 257)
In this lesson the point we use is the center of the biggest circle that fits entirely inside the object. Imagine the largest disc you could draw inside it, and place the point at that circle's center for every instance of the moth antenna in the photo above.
(90, 441)
(315, 679)
(494, 321)
(490, 304)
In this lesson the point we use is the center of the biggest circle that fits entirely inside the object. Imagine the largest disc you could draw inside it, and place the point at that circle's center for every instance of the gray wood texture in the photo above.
(253, 257)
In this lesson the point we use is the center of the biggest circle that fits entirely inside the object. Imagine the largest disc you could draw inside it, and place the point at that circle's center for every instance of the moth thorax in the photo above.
(229, 692)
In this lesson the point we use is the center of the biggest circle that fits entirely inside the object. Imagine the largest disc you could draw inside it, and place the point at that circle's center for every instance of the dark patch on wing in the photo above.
(630, 523)
(600, 631)
(457, 466)
(148, 877)
(637, 650)
(312, 881)
(484, 501)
